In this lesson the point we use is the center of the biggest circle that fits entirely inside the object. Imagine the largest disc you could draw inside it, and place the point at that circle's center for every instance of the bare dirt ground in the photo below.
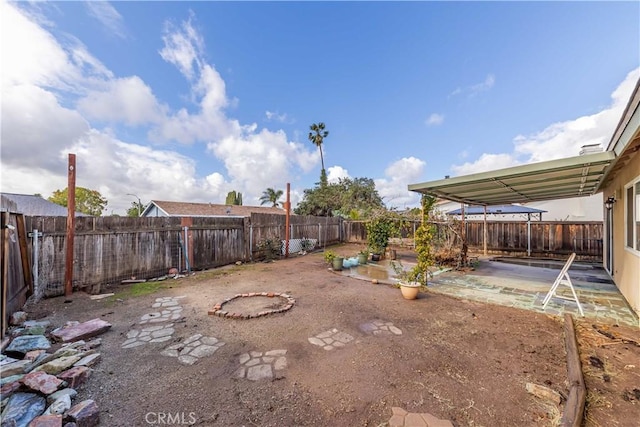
(462, 361)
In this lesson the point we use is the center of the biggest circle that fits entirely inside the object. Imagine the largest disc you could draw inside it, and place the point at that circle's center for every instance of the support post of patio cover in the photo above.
(484, 232)
(528, 234)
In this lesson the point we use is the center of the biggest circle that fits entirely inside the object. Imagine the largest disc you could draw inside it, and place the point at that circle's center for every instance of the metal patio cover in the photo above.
(554, 179)
(497, 210)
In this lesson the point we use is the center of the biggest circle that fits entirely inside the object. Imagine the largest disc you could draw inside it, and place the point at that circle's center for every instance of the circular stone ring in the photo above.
(252, 310)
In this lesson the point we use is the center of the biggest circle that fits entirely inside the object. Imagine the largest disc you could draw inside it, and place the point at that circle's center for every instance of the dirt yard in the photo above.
(462, 361)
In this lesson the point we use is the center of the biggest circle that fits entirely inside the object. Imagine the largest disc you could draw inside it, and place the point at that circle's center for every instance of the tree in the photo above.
(136, 209)
(88, 201)
(271, 196)
(234, 198)
(353, 198)
(317, 136)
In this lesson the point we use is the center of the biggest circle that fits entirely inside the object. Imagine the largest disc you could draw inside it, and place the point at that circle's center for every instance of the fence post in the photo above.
(319, 234)
(35, 260)
(185, 249)
(251, 242)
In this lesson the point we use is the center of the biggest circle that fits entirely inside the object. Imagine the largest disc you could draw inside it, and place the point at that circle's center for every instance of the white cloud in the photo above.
(104, 12)
(565, 139)
(183, 46)
(43, 61)
(559, 140)
(277, 117)
(393, 188)
(36, 128)
(335, 173)
(487, 84)
(128, 100)
(122, 168)
(477, 88)
(486, 162)
(256, 160)
(435, 119)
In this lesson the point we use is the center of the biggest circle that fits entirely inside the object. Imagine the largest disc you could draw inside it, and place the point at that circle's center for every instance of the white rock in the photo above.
(60, 406)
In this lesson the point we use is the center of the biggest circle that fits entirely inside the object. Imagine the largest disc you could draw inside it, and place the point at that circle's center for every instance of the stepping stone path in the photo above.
(257, 366)
(171, 310)
(193, 349)
(380, 327)
(331, 339)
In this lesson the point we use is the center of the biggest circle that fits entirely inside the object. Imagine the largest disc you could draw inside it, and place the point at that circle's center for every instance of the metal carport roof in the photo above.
(554, 179)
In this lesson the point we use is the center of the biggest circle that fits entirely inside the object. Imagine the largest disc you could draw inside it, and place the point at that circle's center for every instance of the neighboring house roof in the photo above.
(496, 210)
(209, 209)
(28, 204)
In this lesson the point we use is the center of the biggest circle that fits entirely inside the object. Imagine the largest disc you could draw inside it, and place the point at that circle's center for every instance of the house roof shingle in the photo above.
(209, 209)
(35, 205)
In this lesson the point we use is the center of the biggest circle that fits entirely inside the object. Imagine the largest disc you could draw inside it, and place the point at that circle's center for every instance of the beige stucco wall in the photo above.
(626, 263)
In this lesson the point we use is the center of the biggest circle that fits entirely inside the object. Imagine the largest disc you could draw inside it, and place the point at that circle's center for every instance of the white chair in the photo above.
(563, 279)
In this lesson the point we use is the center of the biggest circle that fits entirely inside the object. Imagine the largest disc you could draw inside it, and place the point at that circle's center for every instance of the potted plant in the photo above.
(329, 255)
(334, 259)
(363, 257)
(408, 280)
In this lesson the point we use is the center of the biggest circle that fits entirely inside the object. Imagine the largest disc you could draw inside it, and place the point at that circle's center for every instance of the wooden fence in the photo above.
(548, 238)
(111, 249)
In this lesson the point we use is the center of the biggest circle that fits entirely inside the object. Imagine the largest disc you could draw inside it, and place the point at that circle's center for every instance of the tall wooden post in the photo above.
(287, 207)
(71, 210)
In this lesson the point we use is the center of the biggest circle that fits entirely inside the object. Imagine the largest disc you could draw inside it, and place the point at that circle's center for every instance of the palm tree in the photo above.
(318, 137)
(271, 196)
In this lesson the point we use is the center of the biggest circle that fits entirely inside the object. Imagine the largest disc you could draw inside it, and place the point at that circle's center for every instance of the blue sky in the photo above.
(188, 100)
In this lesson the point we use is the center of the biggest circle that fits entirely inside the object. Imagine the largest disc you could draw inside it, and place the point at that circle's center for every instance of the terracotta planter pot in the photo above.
(410, 290)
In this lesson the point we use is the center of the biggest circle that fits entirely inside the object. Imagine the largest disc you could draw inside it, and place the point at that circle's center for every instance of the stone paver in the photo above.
(256, 365)
(193, 349)
(156, 333)
(380, 327)
(331, 339)
(402, 418)
(166, 315)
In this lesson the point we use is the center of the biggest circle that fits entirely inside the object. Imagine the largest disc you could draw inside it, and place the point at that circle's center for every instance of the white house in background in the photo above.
(576, 209)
